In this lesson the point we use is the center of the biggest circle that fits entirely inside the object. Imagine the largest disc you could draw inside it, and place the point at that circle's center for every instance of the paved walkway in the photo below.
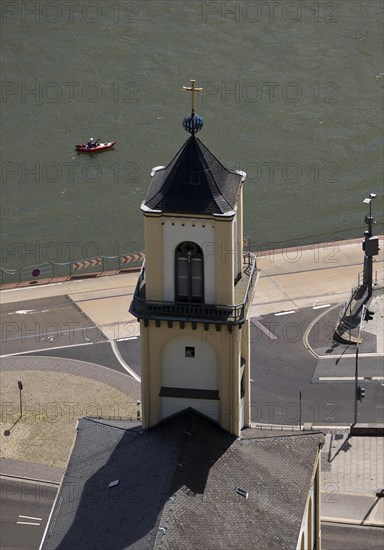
(58, 388)
(352, 473)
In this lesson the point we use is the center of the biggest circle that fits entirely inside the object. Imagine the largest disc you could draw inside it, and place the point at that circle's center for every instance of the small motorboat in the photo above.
(95, 148)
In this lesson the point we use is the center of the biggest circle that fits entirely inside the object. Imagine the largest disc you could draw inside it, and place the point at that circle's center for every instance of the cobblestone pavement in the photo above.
(56, 392)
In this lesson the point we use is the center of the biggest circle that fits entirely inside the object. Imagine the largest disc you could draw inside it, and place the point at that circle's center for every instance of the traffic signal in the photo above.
(371, 245)
(360, 393)
(368, 315)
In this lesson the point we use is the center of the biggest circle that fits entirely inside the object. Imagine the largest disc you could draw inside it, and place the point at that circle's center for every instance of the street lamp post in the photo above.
(20, 385)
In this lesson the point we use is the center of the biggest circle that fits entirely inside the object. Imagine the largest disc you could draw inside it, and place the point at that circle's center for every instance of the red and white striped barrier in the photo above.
(83, 264)
(130, 258)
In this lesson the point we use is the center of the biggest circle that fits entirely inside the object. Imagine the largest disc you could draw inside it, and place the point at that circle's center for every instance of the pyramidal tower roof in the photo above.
(194, 182)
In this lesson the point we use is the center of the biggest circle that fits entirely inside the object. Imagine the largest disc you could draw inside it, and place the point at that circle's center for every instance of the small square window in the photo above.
(189, 351)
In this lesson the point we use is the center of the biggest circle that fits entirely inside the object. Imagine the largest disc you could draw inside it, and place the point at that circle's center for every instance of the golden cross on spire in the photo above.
(193, 90)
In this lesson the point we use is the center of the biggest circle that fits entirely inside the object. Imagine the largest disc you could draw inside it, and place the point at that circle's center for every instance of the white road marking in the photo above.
(27, 523)
(265, 330)
(29, 311)
(126, 339)
(368, 379)
(49, 349)
(348, 493)
(345, 355)
(122, 362)
(320, 307)
(285, 313)
(30, 517)
(325, 378)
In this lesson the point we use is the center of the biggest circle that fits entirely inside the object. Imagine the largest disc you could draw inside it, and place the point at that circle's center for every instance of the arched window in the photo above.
(189, 273)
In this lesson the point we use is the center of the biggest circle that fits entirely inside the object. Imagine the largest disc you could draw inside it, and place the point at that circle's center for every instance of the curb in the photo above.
(367, 430)
(346, 521)
(31, 479)
(345, 338)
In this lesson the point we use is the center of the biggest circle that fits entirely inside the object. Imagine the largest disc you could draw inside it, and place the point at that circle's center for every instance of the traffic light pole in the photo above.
(356, 381)
(357, 394)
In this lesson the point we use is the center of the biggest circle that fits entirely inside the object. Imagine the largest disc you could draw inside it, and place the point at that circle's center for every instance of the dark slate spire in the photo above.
(194, 182)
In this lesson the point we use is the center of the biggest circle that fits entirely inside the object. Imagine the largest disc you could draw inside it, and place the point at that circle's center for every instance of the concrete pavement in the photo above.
(352, 472)
(290, 279)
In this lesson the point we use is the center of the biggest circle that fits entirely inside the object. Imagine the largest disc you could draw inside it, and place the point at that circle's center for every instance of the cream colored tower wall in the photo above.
(310, 531)
(160, 357)
(240, 231)
(180, 371)
(246, 355)
(230, 400)
(154, 277)
(201, 232)
(224, 265)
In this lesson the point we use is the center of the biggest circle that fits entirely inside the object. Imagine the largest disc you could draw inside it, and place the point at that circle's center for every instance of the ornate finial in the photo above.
(194, 122)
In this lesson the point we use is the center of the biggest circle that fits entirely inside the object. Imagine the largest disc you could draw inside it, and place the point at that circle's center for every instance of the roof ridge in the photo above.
(205, 148)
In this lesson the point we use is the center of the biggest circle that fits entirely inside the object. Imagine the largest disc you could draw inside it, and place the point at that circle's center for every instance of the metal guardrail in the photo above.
(68, 270)
(219, 313)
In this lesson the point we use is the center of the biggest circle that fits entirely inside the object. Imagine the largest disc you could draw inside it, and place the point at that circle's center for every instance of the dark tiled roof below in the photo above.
(177, 488)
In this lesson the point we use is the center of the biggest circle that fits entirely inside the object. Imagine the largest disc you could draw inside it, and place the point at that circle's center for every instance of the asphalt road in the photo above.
(282, 362)
(47, 323)
(283, 359)
(100, 353)
(24, 511)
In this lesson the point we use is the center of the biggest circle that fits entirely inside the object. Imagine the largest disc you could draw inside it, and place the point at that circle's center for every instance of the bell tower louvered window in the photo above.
(189, 276)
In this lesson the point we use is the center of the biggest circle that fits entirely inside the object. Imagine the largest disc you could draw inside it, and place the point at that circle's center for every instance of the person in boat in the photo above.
(91, 143)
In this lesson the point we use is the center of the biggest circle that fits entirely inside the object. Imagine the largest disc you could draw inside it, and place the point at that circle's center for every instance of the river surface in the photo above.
(292, 95)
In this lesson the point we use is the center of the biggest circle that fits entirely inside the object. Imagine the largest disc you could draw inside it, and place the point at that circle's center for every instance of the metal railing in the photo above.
(183, 311)
(50, 271)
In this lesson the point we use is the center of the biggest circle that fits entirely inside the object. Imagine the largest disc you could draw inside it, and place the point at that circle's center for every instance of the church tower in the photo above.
(195, 288)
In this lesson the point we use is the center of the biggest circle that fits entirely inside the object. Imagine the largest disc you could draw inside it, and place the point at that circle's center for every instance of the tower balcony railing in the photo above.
(199, 312)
